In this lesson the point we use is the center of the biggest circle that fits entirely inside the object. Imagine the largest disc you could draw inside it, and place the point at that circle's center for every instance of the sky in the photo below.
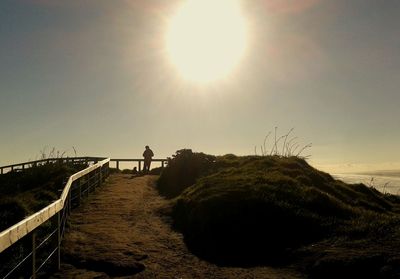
(95, 75)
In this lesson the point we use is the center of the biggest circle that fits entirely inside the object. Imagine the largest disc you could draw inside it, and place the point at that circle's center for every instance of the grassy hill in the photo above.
(275, 210)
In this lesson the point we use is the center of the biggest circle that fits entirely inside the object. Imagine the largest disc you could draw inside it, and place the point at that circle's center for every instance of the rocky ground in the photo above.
(121, 232)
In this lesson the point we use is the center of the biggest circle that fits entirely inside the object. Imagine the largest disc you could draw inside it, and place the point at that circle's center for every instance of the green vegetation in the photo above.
(183, 170)
(25, 192)
(286, 145)
(273, 209)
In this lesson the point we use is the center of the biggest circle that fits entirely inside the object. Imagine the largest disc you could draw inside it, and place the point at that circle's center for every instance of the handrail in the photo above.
(139, 161)
(66, 159)
(77, 159)
(24, 227)
(78, 186)
(136, 160)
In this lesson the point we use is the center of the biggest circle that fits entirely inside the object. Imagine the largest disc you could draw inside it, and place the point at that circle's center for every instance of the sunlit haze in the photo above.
(109, 77)
(206, 38)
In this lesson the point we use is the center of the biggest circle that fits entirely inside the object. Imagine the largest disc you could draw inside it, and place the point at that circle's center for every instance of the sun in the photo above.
(206, 39)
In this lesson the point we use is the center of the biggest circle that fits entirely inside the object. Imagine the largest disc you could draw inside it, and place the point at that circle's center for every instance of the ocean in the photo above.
(383, 181)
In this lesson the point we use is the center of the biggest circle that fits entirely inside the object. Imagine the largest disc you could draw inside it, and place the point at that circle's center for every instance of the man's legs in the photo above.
(147, 165)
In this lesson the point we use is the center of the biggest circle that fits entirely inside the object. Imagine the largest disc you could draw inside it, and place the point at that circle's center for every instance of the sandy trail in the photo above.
(120, 232)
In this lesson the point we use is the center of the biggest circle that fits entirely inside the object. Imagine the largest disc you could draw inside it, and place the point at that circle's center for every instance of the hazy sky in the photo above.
(94, 74)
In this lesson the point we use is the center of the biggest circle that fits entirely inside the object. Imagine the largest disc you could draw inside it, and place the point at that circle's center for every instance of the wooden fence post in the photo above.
(80, 190)
(101, 175)
(88, 184)
(34, 255)
(98, 177)
(59, 240)
(69, 202)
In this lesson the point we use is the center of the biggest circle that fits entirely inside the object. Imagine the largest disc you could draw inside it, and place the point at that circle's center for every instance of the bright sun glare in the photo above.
(206, 39)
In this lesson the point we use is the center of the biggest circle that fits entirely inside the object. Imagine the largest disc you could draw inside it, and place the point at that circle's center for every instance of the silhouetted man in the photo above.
(147, 154)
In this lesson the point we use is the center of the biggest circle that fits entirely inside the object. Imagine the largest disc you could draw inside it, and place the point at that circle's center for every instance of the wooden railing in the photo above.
(41, 233)
(22, 166)
(139, 161)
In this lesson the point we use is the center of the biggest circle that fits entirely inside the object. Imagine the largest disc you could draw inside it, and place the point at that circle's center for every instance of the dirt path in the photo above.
(120, 232)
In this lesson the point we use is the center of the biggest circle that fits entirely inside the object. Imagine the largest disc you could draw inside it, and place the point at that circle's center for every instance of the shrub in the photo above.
(156, 171)
(182, 171)
(284, 145)
(11, 211)
(126, 171)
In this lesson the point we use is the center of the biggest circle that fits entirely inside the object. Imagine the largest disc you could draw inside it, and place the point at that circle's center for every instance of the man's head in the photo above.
(147, 147)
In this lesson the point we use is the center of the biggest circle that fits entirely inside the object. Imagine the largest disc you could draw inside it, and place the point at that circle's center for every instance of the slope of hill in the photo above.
(274, 210)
